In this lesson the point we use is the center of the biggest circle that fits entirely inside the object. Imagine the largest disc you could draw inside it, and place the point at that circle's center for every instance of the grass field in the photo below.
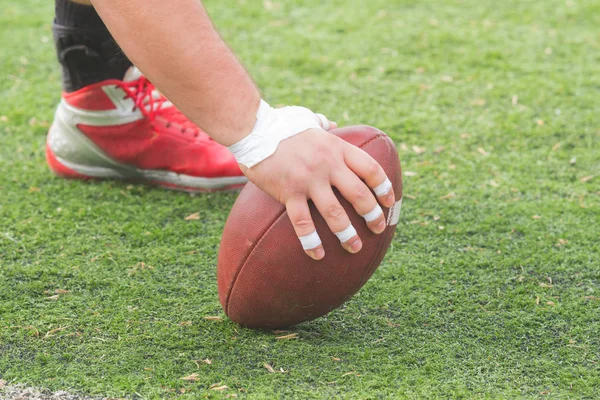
(490, 290)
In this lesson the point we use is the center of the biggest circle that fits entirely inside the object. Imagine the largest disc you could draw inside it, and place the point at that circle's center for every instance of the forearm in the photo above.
(176, 46)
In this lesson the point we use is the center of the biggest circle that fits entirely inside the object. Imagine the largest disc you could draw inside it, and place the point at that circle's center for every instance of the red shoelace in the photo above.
(152, 103)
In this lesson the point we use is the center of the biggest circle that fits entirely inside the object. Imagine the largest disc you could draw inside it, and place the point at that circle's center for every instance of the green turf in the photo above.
(491, 288)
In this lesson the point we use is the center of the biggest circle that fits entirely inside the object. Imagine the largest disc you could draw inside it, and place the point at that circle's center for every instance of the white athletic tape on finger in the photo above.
(310, 241)
(384, 188)
(373, 214)
(346, 234)
(273, 125)
(324, 122)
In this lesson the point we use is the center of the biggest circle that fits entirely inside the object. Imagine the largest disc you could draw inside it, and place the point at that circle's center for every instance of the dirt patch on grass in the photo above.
(20, 392)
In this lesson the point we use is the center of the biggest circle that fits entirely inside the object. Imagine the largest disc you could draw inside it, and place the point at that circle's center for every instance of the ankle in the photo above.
(86, 50)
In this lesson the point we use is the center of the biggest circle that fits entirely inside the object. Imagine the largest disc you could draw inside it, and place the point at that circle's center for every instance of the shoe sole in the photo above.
(79, 158)
(60, 168)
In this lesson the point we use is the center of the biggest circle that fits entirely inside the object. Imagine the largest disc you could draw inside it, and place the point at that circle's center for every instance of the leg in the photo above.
(113, 123)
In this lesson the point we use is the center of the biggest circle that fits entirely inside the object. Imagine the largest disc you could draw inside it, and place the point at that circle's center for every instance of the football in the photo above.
(267, 281)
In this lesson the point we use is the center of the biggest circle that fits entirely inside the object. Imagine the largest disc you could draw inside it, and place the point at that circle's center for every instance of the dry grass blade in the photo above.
(586, 178)
(269, 368)
(482, 151)
(36, 333)
(220, 388)
(213, 318)
(450, 195)
(193, 217)
(53, 331)
(286, 337)
(556, 146)
(191, 378)
(419, 150)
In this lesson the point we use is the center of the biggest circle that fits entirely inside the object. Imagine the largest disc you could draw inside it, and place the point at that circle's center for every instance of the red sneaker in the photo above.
(128, 130)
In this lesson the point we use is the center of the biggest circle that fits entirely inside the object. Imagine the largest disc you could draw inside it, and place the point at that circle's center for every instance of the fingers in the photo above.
(358, 194)
(336, 218)
(371, 172)
(299, 213)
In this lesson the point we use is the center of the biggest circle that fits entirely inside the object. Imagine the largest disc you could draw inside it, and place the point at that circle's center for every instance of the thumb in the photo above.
(326, 123)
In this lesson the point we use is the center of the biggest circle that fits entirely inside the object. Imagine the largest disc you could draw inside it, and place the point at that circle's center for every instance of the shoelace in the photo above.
(152, 103)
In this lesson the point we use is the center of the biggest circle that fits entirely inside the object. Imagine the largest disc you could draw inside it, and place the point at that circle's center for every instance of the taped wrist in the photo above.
(274, 125)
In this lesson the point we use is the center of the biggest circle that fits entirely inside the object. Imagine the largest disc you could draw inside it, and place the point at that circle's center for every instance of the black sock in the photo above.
(73, 15)
(85, 48)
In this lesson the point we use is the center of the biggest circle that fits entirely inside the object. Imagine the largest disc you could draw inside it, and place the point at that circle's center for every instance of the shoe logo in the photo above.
(124, 112)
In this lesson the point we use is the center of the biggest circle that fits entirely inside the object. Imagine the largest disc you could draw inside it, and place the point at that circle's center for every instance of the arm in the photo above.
(174, 43)
(176, 46)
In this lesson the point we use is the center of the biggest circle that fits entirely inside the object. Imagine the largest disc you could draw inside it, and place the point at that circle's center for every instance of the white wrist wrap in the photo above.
(272, 126)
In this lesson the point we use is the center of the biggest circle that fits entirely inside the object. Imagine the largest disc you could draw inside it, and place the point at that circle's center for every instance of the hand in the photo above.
(306, 166)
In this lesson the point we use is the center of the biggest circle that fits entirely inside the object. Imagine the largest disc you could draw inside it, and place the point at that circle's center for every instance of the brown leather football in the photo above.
(265, 278)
